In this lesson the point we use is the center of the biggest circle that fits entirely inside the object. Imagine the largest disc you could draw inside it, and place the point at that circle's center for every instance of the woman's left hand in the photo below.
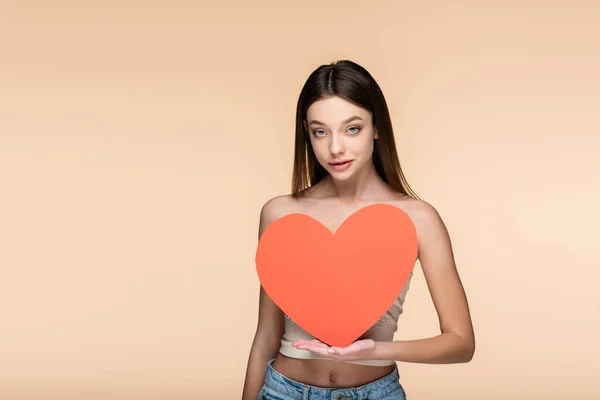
(359, 350)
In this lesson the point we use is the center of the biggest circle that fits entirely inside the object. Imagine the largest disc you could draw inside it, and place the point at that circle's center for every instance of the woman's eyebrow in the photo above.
(315, 122)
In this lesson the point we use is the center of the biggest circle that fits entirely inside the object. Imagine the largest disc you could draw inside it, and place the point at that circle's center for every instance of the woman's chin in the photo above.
(341, 176)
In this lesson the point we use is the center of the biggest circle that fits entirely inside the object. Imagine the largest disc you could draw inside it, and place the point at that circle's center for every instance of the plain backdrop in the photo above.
(138, 141)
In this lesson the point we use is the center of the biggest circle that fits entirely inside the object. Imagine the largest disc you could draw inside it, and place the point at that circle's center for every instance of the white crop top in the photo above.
(382, 331)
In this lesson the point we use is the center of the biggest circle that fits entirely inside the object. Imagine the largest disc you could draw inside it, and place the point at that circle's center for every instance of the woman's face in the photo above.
(337, 137)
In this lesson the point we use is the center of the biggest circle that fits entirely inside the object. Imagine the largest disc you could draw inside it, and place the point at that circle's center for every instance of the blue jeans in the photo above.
(280, 387)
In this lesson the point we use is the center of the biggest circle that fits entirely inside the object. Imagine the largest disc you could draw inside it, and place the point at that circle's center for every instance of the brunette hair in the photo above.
(354, 83)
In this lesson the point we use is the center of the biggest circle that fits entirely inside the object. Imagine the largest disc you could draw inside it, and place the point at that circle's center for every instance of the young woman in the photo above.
(346, 159)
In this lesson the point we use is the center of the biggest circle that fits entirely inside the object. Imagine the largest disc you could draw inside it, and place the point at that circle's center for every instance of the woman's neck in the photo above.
(352, 191)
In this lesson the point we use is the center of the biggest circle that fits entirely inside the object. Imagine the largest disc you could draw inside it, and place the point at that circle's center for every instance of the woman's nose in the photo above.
(336, 146)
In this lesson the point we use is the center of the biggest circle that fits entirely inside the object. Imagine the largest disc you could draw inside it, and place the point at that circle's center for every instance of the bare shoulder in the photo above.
(423, 212)
(433, 237)
(275, 208)
(426, 218)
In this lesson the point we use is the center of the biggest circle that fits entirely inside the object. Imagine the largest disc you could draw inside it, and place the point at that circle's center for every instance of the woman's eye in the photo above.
(320, 132)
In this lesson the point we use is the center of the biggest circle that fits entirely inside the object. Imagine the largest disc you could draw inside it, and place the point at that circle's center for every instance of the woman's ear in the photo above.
(375, 134)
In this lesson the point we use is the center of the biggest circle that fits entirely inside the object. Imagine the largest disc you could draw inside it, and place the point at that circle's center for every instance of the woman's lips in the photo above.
(341, 166)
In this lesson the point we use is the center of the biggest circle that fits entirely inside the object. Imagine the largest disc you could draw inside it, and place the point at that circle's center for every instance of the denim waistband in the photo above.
(298, 390)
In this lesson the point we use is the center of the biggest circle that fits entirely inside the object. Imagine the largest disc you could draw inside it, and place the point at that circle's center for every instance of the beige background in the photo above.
(139, 140)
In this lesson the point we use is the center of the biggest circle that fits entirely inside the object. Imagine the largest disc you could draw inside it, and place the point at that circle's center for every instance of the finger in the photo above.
(314, 349)
(324, 351)
(310, 346)
(309, 342)
(340, 351)
(317, 342)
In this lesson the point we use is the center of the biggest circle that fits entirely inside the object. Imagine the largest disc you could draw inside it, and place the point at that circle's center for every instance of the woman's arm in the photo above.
(456, 343)
(270, 326)
(265, 346)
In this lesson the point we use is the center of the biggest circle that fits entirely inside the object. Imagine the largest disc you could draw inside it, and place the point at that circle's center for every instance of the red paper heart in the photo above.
(337, 285)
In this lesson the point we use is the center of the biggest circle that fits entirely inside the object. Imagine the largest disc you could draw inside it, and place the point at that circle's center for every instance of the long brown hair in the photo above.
(354, 83)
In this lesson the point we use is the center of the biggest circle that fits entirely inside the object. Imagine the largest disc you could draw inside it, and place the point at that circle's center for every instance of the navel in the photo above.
(332, 377)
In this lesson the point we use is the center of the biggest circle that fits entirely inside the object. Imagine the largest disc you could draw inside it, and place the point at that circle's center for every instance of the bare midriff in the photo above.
(328, 374)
